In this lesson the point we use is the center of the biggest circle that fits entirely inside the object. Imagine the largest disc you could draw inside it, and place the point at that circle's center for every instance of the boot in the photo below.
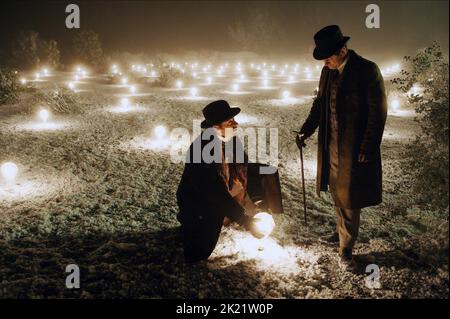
(346, 261)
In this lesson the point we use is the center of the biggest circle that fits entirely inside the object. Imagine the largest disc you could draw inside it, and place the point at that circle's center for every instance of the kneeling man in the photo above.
(213, 186)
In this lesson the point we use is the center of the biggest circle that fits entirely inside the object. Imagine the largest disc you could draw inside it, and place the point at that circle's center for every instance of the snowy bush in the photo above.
(9, 86)
(425, 81)
(61, 100)
(167, 77)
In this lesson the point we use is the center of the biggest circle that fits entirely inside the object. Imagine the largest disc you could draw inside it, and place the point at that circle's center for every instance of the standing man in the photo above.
(350, 112)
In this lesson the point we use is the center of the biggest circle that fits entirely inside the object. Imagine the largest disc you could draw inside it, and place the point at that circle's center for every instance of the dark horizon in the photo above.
(180, 26)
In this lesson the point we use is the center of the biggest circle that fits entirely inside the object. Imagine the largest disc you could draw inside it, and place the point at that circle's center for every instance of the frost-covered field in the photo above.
(91, 191)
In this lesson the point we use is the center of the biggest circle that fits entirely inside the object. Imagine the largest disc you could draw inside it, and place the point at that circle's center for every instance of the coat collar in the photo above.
(349, 68)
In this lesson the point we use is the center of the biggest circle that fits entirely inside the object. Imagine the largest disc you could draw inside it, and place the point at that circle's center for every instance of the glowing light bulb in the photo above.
(125, 102)
(286, 94)
(265, 83)
(179, 84)
(235, 87)
(71, 86)
(124, 81)
(23, 81)
(264, 223)
(395, 105)
(133, 89)
(38, 75)
(160, 131)
(209, 80)
(46, 72)
(9, 171)
(291, 78)
(194, 92)
(44, 115)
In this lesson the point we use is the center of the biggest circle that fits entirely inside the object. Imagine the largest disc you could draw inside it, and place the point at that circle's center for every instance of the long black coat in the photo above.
(361, 110)
(204, 201)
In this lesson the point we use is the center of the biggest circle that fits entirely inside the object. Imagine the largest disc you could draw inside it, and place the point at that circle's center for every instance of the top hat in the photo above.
(217, 112)
(328, 40)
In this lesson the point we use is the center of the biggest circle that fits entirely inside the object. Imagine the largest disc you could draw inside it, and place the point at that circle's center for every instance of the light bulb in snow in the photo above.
(179, 84)
(242, 77)
(264, 223)
(46, 72)
(286, 94)
(124, 81)
(160, 131)
(209, 80)
(71, 85)
(125, 102)
(395, 104)
(194, 92)
(37, 75)
(9, 171)
(235, 87)
(44, 115)
(133, 89)
(265, 83)
(308, 76)
(291, 78)
(23, 81)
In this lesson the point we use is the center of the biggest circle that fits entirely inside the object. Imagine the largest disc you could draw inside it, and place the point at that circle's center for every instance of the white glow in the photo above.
(235, 87)
(71, 86)
(37, 75)
(179, 84)
(394, 105)
(264, 223)
(286, 94)
(265, 83)
(23, 81)
(133, 89)
(124, 81)
(194, 92)
(160, 132)
(125, 103)
(9, 171)
(44, 115)
(209, 80)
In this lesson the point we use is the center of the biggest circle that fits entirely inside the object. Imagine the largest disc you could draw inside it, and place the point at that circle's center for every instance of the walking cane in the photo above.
(303, 179)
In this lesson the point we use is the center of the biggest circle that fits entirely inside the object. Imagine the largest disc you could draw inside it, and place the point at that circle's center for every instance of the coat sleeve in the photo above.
(377, 111)
(313, 119)
(207, 182)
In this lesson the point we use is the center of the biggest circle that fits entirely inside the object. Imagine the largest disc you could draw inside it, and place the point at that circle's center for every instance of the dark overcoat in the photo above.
(361, 112)
(204, 200)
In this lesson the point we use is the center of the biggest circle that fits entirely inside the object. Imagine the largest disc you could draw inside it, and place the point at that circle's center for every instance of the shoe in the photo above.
(346, 261)
(330, 239)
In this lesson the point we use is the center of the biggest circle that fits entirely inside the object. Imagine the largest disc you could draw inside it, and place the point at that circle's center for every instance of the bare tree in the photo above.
(258, 31)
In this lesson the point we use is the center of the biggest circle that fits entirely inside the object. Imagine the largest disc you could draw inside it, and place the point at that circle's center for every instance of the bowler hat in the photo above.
(217, 112)
(328, 40)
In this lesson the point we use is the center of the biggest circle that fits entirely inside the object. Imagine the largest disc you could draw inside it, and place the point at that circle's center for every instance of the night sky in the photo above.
(178, 26)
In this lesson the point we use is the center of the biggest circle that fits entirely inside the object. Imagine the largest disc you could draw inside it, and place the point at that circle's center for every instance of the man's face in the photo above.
(334, 61)
(230, 124)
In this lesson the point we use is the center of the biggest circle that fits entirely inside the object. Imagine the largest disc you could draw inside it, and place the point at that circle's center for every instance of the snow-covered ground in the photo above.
(93, 191)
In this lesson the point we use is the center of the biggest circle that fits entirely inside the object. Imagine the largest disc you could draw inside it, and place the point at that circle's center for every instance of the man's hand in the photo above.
(362, 158)
(300, 140)
(253, 229)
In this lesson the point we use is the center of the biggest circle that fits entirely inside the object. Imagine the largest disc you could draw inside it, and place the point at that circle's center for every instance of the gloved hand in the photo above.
(250, 225)
(300, 140)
